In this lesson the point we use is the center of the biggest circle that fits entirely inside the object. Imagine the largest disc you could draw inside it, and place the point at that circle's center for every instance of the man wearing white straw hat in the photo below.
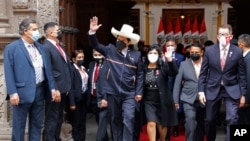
(124, 86)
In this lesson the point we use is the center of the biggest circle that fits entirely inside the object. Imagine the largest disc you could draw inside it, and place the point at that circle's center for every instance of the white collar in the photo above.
(245, 53)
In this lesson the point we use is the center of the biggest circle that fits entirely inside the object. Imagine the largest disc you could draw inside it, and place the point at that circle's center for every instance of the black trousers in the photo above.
(54, 113)
(101, 117)
(79, 119)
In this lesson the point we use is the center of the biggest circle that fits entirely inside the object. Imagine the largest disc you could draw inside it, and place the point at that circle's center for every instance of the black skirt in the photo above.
(152, 105)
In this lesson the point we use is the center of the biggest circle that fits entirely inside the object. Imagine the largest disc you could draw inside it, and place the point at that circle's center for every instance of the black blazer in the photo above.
(76, 86)
(101, 80)
(168, 114)
(247, 62)
(60, 68)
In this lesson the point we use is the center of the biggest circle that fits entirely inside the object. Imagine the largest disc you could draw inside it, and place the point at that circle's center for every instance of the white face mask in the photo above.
(152, 58)
(97, 57)
(223, 41)
(170, 48)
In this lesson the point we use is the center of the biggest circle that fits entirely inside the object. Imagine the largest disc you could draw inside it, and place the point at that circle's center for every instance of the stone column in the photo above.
(3, 17)
(5, 129)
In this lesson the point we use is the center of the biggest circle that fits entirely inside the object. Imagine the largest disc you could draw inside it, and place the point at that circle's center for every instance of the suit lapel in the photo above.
(25, 51)
(55, 49)
(192, 69)
(229, 55)
(217, 56)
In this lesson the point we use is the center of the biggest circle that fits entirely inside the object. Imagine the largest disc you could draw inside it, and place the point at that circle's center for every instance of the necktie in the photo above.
(223, 58)
(60, 50)
(95, 78)
(36, 63)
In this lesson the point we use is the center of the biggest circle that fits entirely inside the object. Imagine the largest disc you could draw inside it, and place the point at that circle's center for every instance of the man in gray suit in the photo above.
(186, 91)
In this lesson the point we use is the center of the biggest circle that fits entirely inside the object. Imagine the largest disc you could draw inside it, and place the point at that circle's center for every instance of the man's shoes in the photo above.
(175, 134)
(175, 131)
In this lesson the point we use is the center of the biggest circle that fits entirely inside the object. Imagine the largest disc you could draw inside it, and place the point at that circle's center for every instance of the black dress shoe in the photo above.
(175, 131)
(175, 134)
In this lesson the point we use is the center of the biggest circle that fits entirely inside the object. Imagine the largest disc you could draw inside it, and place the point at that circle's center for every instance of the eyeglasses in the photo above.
(224, 34)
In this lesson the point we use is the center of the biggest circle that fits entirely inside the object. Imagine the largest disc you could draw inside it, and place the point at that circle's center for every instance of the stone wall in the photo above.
(12, 12)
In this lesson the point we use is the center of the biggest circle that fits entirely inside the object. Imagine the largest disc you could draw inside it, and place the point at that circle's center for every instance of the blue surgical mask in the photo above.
(35, 35)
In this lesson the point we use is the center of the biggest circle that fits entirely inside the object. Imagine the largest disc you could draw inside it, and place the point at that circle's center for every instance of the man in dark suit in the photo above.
(98, 99)
(222, 77)
(61, 72)
(124, 78)
(28, 77)
(186, 91)
(244, 112)
(178, 58)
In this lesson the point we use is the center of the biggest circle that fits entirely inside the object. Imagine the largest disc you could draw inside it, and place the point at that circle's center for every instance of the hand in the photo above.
(56, 96)
(177, 106)
(168, 56)
(138, 98)
(14, 99)
(242, 101)
(93, 27)
(103, 103)
(202, 99)
(72, 107)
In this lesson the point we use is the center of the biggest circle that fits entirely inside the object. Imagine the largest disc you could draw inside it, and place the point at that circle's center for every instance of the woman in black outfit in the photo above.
(158, 101)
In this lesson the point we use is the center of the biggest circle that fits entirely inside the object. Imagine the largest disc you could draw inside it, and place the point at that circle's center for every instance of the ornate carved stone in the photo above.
(20, 4)
(48, 11)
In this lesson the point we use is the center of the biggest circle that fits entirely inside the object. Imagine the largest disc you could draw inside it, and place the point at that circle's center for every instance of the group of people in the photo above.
(122, 88)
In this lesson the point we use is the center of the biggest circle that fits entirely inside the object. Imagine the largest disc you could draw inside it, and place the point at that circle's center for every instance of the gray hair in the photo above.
(24, 25)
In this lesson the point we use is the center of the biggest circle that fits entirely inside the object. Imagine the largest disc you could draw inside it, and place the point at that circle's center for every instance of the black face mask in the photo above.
(195, 57)
(120, 45)
(59, 35)
(144, 53)
(98, 60)
(79, 62)
(187, 54)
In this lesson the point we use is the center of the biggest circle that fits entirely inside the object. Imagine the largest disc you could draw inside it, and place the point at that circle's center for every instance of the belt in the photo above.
(39, 84)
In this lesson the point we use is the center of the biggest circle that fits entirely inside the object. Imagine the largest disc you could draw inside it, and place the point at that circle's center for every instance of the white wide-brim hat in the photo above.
(126, 31)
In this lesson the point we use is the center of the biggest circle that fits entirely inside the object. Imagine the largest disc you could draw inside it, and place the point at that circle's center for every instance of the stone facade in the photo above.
(12, 12)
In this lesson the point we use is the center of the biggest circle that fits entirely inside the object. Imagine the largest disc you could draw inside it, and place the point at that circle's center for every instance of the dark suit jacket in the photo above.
(60, 68)
(233, 74)
(171, 79)
(187, 91)
(247, 62)
(20, 74)
(76, 91)
(168, 114)
(101, 80)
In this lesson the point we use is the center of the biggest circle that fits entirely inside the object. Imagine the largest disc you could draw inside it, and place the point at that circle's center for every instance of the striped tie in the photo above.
(36, 63)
